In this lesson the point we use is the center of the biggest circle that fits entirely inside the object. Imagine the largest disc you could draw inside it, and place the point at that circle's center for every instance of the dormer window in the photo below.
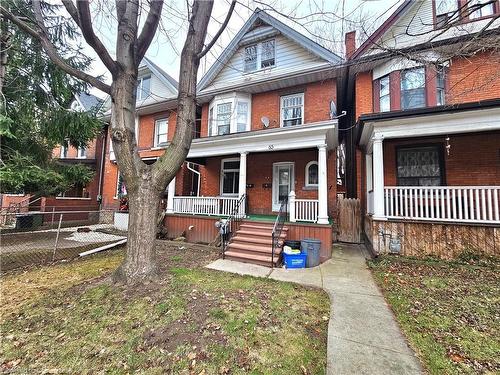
(446, 12)
(260, 56)
(480, 8)
(143, 87)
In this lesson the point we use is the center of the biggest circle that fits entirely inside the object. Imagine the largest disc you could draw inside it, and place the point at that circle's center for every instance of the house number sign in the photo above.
(271, 147)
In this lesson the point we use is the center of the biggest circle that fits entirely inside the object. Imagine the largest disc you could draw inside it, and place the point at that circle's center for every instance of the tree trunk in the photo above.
(140, 258)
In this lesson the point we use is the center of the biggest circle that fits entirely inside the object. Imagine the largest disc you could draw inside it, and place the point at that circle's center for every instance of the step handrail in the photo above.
(232, 223)
(278, 227)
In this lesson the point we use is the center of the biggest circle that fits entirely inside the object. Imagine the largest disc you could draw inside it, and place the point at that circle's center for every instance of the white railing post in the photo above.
(291, 202)
(378, 177)
(322, 186)
(170, 197)
(242, 188)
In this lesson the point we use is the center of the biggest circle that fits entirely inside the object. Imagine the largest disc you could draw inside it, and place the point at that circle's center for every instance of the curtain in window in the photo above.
(223, 118)
(267, 54)
(419, 166)
(292, 110)
(312, 174)
(385, 100)
(250, 58)
(413, 88)
(241, 116)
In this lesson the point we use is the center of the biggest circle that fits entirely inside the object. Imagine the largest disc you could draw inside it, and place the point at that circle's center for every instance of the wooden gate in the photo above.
(349, 220)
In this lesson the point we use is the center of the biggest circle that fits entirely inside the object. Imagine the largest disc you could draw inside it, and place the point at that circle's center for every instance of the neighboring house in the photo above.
(427, 108)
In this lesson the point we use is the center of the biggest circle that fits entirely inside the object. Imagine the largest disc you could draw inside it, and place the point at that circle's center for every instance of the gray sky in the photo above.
(322, 20)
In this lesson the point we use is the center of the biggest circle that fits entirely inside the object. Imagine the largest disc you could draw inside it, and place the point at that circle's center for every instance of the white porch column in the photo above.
(322, 186)
(378, 177)
(242, 187)
(170, 197)
(369, 183)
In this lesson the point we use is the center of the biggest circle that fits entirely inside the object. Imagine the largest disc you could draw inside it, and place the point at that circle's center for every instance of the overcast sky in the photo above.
(325, 21)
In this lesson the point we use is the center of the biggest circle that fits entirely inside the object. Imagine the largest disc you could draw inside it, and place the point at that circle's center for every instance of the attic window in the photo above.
(260, 56)
(446, 12)
(143, 87)
(480, 8)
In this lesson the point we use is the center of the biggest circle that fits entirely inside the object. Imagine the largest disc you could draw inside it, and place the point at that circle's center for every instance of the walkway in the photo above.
(363, 337)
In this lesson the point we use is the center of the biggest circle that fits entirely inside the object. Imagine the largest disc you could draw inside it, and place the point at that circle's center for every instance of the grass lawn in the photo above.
(67, 318)
(448, 310)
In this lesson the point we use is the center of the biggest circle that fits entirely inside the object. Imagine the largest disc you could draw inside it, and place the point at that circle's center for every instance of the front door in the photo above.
(283, 182)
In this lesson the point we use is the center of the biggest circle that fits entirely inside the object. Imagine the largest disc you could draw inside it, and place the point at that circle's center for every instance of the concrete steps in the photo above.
(252, 243)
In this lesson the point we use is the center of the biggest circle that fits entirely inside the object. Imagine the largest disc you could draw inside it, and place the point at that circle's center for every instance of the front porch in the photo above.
(434, 177)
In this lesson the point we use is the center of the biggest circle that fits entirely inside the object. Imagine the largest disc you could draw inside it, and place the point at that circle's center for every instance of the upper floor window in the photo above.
(81, 153)
(143, 87)
(384, 94)
(419, 166)
(259, 56)
(161, 132)
(64, 150)
(121, 189)
(312, 174)
(440, 86)
(223, 119)
(292, 110)
(241, 116)
(413, 88)
(446, 12)
(480, 8)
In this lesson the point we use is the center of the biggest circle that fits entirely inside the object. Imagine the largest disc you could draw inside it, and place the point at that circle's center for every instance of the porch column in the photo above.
(378, 176)
(322, 186)
(242, 187)
(170, 197)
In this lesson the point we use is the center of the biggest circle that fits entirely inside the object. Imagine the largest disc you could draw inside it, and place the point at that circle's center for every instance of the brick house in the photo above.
(428, 129)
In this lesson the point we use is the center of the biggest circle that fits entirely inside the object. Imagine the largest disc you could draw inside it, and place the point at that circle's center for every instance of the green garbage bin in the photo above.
(311, 247)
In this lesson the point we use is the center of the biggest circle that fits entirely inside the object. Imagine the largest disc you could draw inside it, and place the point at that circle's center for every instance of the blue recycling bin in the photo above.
(311, 247)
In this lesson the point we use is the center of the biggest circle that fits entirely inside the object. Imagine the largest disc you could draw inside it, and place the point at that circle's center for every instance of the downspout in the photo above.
(101, 167)
(188, 165)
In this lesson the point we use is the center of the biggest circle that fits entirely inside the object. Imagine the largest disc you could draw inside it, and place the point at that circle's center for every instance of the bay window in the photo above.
(440, 86)
(420, 166)
(292, 110)
(242, 116)
(229, 113)
(384, 94)
(223, 118)
(161, 132)
(230, 176)
(413, 88)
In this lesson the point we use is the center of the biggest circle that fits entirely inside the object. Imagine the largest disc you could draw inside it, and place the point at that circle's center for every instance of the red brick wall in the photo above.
(364, 93)
(474, 159)
(317, 97)
(260, 171)
(147, 128)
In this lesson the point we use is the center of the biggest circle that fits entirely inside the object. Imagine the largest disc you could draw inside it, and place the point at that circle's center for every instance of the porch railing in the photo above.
(211, 206)
(467, 204)
(232, 223)
(303, 209)
(278, 228)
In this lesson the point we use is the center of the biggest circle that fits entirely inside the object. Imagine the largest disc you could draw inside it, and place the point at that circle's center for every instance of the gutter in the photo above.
(188, 165)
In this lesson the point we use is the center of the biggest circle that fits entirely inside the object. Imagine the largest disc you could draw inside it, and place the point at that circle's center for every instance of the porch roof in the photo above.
(275, 139)
(463, 118)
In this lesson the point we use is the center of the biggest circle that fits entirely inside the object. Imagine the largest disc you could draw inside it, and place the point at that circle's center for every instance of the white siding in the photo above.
(290, 57)
(159, 91)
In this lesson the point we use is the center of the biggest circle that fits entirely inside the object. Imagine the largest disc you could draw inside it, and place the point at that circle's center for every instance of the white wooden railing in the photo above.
(303, 209)
(468, 204)
(211, 206)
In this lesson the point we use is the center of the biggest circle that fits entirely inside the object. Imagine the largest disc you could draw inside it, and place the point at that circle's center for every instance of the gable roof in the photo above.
(88, 101)
(160, 73)
(285, 30)
(377, 34)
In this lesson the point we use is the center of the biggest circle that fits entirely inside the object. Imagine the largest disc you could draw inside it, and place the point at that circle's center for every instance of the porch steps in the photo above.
(252, 243)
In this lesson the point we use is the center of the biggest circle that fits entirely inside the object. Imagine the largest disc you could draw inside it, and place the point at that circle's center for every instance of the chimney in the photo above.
(350, 44)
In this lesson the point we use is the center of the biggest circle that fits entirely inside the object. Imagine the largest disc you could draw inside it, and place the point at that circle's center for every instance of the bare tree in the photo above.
(145, 183)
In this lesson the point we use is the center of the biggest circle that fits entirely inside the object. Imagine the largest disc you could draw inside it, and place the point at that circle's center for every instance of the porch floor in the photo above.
(254, 217)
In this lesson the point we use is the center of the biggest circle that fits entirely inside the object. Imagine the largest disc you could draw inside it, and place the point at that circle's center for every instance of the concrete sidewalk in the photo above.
(363, 337)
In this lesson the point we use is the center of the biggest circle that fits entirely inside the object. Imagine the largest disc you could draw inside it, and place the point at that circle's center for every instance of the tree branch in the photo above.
(217, 35)
(51, 51)
(148, 30)
(85, 23)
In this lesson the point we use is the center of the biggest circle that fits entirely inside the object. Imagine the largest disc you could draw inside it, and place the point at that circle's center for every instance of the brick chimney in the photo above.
(350, 44)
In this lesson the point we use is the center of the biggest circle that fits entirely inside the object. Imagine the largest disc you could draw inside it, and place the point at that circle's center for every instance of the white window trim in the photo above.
(63, 150)
(78, 156)
(233, 98)
(281, 106)
(312, 162)
(155, 141)
(222, 176)
(259, 57)
(139, 87)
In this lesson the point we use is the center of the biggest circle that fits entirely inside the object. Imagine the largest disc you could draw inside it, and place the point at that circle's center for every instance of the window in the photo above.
(292, 109)
(480, 8)
(413, 88)
(260, 56)
(267, 55)
(121, 189)
(64, 150)
(143, 87)
(446, 12)
(385, 98)
(242, 116)
(161, 131)
(223, 118)
(230, 176)
(312, 174)
(440, 86)
(419, 166)
(250, 58)
(81, 153)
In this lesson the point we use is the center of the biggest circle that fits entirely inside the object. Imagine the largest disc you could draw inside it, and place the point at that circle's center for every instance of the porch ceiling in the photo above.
(268, 140)
(473, 121)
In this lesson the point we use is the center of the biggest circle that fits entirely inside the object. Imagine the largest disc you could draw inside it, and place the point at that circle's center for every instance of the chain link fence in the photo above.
(36, 237)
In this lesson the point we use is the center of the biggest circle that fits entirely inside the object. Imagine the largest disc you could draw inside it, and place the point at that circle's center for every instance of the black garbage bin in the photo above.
(311, 247)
